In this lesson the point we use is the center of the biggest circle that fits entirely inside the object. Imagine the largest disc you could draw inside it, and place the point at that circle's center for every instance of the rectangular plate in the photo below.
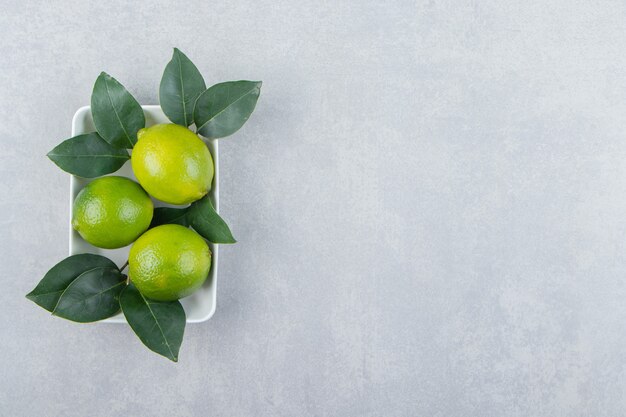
(199, 306)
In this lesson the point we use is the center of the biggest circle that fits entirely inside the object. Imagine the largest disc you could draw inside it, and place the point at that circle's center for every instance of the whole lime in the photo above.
(169, 262)
(172, 163)
(111, 212)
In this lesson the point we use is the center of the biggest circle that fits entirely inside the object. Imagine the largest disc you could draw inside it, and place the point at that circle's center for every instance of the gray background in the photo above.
(430, 203)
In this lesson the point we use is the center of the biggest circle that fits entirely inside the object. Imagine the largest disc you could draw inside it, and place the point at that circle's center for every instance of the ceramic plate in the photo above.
(199, 306)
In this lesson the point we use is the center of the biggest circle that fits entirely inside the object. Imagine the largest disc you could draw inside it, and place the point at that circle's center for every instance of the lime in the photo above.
(169, 262)
(111, 212)
(172, 163)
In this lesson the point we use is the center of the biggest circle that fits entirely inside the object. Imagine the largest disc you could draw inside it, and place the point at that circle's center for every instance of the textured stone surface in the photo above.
(429, 200)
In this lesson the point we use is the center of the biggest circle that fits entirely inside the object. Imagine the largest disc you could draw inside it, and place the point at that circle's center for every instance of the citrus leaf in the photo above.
(181, 85)
(205, 220)
(160, 325)
(88, 156)
(169, 215)
(93, 296)
(116, 113)
(47, 293)
(222, 109)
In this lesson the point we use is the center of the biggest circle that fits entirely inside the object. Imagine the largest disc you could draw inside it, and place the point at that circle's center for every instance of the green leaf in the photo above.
(169, 215)
(88, 156)
(160, 325)
(181, 85)
(222, 109)
(205, 220)
(93, 296)
(48, 292)
(116, 113)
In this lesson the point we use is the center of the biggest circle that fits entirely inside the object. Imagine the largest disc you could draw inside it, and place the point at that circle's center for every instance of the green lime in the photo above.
(111, 212)
(172, 163)
(169, 262)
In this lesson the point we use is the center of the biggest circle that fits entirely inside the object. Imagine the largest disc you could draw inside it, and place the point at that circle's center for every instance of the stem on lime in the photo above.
(124, 266)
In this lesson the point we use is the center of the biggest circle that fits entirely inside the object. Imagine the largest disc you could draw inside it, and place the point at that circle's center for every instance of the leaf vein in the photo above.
(225, 108)
(89, 270)
(106, 85)
(158, 325)
(182, 88)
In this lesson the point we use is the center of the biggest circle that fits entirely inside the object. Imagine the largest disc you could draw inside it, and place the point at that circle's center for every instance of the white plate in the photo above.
(199, 306)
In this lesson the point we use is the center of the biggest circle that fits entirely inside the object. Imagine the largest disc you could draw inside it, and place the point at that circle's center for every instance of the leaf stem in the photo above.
(124, 266)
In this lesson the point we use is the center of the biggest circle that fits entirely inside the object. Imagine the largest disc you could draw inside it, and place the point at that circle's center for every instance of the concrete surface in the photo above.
(430, 203)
